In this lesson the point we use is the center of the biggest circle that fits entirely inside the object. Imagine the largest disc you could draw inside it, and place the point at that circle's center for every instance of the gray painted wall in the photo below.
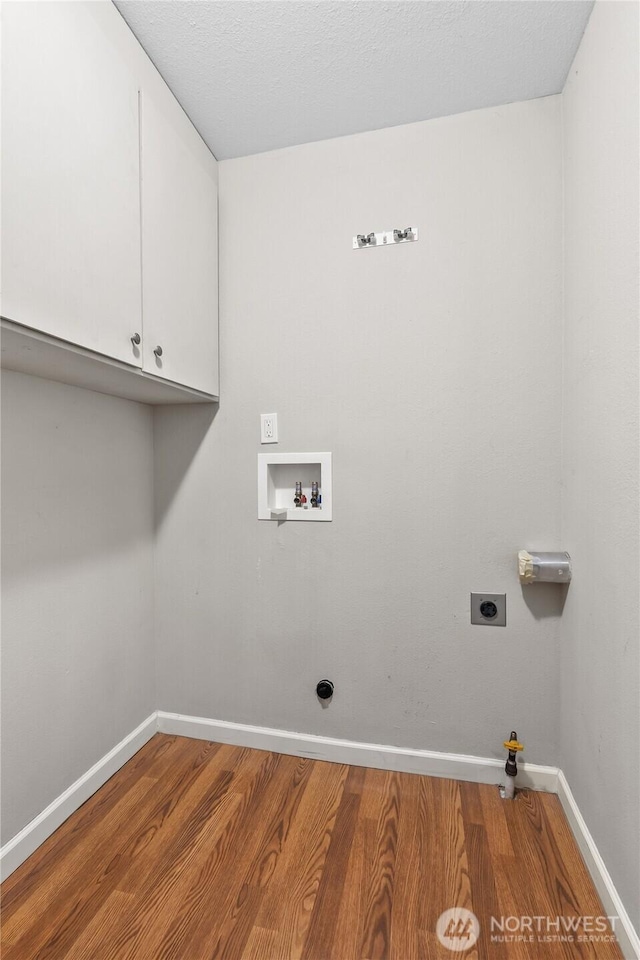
(433, 373)
(77, 582)
(600, 693)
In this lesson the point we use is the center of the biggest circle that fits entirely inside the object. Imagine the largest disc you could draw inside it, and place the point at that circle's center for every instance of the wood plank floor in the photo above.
(195, 850)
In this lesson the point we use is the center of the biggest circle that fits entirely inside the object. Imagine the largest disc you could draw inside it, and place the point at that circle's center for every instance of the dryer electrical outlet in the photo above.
(489, 609)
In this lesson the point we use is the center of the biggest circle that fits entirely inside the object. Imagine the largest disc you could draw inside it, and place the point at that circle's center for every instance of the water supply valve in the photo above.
(513, 746)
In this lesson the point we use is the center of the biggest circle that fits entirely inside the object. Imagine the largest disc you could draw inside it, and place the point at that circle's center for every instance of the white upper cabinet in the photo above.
(179, 247)
(109, 211)
(70, 174)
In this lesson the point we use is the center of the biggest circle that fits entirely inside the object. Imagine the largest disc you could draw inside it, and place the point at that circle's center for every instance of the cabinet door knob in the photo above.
(158, 351)
(135, 339)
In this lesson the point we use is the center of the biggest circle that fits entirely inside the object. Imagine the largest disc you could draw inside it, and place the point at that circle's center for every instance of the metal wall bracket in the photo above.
(405, 235)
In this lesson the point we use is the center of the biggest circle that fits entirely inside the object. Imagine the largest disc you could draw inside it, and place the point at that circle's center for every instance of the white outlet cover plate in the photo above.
(268, 428)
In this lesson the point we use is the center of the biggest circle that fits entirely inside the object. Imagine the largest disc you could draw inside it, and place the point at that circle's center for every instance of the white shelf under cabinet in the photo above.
(277, 476)
(41, 355)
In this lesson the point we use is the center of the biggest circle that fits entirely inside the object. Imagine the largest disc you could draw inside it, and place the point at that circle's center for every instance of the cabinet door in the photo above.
(70, 172)
(179, 247)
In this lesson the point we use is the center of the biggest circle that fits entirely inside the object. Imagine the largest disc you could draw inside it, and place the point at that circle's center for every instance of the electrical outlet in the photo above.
(489, 609)
(268, 428)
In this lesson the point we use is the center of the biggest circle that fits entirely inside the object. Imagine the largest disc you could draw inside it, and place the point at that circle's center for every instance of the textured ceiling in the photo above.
(256, 75)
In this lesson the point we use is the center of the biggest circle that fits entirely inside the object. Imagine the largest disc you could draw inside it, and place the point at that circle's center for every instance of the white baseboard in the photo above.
(627, 936)
(16, 851)
(403, 759)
